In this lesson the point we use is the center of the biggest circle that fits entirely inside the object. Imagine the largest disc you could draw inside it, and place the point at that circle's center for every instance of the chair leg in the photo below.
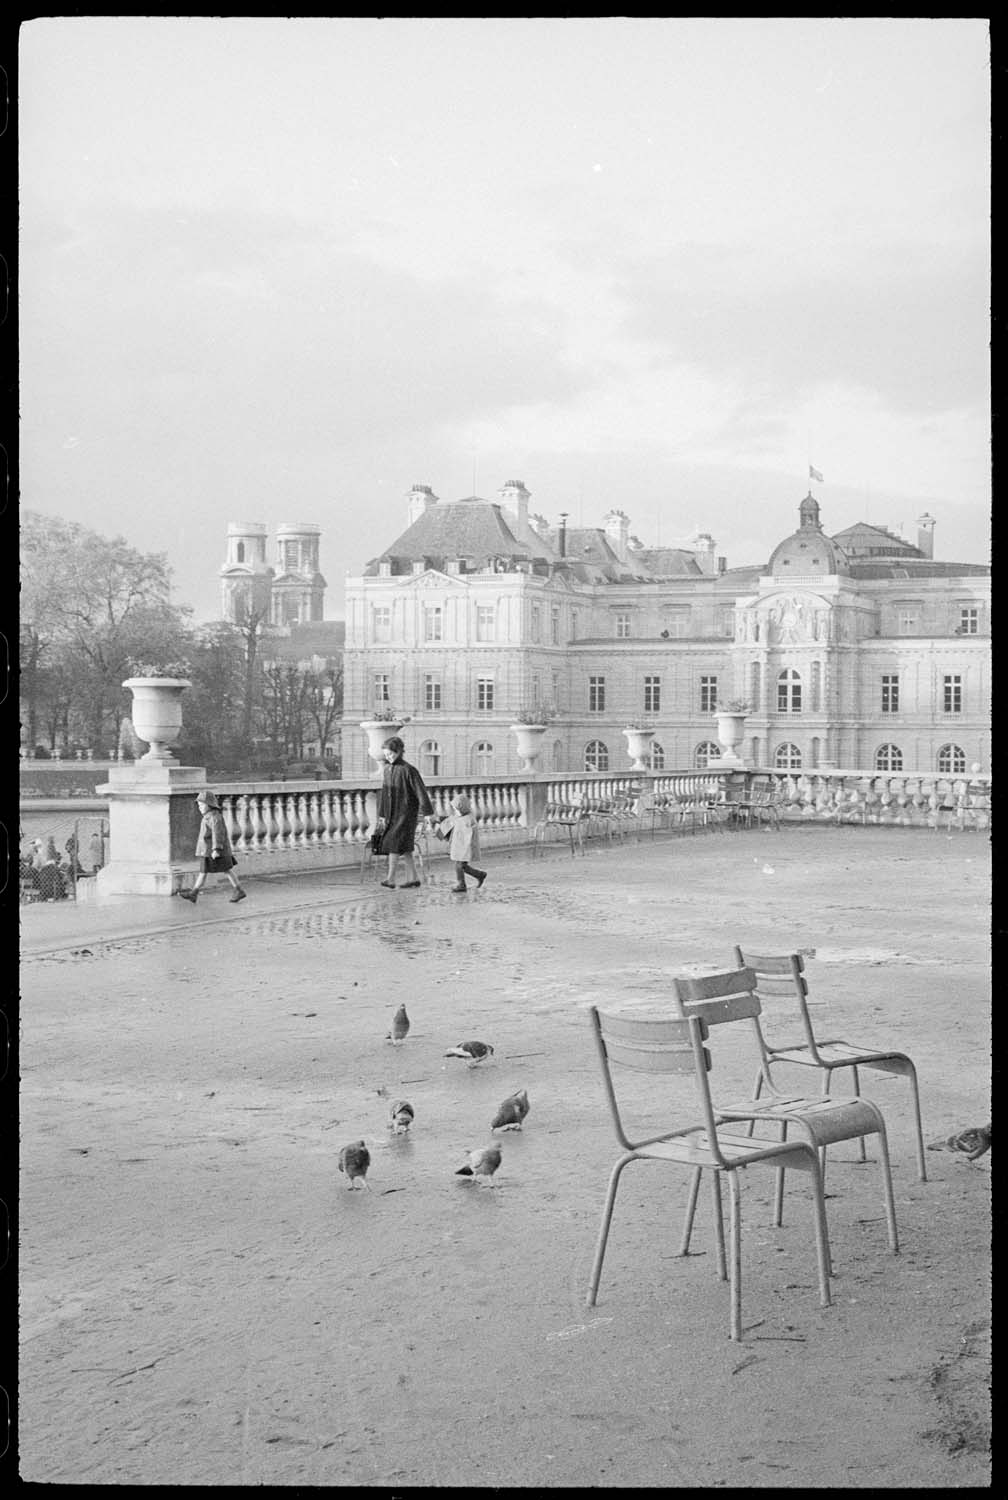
(757, 1090)
(691, 1202)
(735, 1276)
(607, 1212)
(719, 1240)
(887, 1187)
(826, 1078)
(823, 1258)
(778, 1208)
(921, 1171)
(862, 1153)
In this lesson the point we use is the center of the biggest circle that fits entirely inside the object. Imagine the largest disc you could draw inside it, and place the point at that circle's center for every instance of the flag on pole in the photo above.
(814, 474)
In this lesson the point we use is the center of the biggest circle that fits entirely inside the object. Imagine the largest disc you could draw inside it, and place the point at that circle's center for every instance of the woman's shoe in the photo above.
(189, 896)
(410, 885)
(388, 884)
(239, 895)
(458, 890)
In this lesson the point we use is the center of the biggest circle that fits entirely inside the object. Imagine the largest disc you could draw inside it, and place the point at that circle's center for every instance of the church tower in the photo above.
(298, 586)
(246, 577)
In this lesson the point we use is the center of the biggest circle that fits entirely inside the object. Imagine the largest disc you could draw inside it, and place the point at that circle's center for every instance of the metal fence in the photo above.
(81, 847)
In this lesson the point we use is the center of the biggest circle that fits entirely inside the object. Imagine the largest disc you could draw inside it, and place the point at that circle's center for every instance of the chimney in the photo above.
(617, 530)
(703, 551)
(515, 498)
(925, 534)
(562, 534)
(420, 498)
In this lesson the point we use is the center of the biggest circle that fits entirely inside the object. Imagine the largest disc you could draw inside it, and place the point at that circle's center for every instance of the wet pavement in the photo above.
(204, 1301)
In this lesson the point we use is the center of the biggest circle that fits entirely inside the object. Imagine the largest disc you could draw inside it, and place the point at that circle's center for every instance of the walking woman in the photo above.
(213, 847)
(402, 802)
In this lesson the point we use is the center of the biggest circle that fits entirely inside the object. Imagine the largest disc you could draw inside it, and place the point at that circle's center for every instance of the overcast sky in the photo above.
(280, 270)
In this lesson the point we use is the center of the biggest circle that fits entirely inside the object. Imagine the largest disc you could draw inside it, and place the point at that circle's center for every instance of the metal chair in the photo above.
(421, 856)
(821, 1121)
(785, 976)
(566, 817)
(676, 1045)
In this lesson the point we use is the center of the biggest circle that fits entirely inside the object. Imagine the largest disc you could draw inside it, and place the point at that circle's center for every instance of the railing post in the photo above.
(153, 824)
(532, 798)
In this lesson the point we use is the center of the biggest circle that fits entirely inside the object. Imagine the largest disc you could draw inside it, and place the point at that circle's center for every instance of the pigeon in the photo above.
(475, 1052)
(511, 1112)
(400, 1117)
(354, 1160)
(481, 1163)
(974, 1142)
(400, 1027)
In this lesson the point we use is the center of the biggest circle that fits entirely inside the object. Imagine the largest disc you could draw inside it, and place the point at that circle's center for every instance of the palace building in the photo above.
(857, 650)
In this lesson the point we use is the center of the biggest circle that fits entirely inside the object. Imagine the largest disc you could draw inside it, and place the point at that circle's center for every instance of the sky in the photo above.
(280, 270)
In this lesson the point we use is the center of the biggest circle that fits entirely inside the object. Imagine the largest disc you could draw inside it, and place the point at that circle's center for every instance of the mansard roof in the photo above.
(865, 540)
(472, 528)
(902, 568)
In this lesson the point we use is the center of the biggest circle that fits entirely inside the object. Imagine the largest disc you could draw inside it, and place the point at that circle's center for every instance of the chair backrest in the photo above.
(727, 996)
(782, 976)
(653, 1044)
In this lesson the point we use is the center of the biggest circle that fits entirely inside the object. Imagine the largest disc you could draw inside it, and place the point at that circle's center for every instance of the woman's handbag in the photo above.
(376, 842)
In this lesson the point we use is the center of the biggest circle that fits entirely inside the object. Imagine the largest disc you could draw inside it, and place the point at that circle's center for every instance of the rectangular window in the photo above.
(536, 623)
(432, 691)
(952, 694)
(906, 620)
(726, 625)
(555, 688)
(484, 692)
(596, 695)
(381, 623)
(486, 622)
(890, 692)
(555, 627)
(574, 624)
(622, 627)
(708, 695)
(652, 695)
(432, 622)
(969, 622)
(380, 685)
(676, 627)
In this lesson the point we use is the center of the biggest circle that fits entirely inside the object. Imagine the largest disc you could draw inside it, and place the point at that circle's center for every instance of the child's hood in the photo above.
(460, 804)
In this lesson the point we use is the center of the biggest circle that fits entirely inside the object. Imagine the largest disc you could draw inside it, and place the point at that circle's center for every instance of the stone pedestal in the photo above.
(153, 825)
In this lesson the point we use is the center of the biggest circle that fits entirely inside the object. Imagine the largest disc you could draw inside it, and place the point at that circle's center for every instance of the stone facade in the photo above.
(877, 657)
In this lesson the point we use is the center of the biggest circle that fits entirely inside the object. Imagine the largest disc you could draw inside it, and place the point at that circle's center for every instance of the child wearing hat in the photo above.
(460, 828)
(213, 847)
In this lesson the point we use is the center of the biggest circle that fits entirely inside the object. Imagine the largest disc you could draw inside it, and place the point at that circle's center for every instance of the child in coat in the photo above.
(213, 848)
(459, 827)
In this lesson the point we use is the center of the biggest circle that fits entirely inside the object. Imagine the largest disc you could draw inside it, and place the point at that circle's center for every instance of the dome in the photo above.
(807, 552)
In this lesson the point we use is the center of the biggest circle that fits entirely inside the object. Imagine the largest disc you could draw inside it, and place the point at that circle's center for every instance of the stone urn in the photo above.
(157, 714)
(530, 738)
(730, 730)
(638, 746)
(378, 731)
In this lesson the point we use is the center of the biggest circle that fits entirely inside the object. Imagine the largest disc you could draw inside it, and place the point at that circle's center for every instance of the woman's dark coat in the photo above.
(402, 801)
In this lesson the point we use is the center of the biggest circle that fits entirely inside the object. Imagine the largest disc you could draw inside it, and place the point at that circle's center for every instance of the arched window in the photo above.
(951, 760)
(596, 756)
(557, 755)
(240, 552)
(888, 758)
(787, 758)
(789, 692)
(705, 753)
(430, 758)
(482, 758)
(657, 757)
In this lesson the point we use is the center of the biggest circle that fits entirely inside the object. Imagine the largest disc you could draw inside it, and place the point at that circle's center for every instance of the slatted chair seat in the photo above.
(783, 976)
